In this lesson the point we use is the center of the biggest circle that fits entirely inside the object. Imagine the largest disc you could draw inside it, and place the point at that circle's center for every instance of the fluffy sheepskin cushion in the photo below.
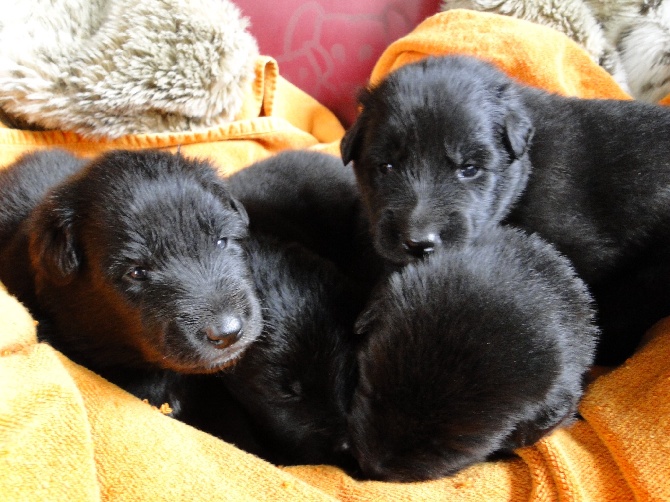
(116, 67)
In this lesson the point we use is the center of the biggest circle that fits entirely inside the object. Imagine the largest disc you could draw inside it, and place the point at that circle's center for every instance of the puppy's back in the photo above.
(468, 353)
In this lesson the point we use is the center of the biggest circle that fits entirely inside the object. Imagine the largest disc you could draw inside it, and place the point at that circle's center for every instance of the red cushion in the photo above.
(328, 48)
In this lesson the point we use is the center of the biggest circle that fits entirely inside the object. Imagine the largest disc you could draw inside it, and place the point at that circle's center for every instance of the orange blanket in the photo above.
(67, 434)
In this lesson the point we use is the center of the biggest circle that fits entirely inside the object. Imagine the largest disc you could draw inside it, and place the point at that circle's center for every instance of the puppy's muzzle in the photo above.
(225, 333)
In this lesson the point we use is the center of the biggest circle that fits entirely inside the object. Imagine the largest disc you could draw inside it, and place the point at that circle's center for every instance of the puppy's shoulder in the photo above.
(298, 173)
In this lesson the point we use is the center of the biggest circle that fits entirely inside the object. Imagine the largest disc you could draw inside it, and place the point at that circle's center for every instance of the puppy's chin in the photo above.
(203, 366)
(392, 249)
(228, 358)
(396, 255)
(388, 233)
(200, 360)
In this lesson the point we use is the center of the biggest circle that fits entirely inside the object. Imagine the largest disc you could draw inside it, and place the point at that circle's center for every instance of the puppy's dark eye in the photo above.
(468, 171)
(385, 168)
(138, 274)
(222, 243)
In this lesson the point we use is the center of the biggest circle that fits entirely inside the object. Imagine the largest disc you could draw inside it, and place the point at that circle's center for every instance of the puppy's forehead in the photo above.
(166, 211)
(458, 113)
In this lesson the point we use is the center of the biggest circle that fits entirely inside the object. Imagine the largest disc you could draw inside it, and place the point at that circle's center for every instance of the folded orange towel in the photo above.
(275, 116)
(532, 53)
(66, 434)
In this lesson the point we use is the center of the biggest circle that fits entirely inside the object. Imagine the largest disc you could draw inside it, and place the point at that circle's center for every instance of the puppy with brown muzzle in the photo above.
(468, 354)
(136, 262)
(450, 146)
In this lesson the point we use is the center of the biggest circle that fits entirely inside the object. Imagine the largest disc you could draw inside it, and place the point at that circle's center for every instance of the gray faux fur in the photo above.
(640, 30)
(116, 67)
(628, 38)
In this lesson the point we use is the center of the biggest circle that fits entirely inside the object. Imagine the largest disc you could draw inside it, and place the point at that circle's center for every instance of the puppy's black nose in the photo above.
(423, 245)
(226, 333)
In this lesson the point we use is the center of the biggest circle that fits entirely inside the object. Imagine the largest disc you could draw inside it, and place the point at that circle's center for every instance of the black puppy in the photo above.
(311, 198)
(136, 260)
(22, 187)
(447, 147)
(296, 380)
(469, 353)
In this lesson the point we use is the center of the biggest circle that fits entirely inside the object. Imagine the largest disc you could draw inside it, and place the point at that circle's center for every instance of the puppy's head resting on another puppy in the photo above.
(432, 151)
(469, 353)
(139, 259)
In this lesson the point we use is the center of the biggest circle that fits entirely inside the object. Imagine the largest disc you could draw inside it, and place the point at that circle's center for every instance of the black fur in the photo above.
(310, 198)
(471, 352)
(449, 146)
(207, 405)
(22, 187)
(137, 261)
(296, 380)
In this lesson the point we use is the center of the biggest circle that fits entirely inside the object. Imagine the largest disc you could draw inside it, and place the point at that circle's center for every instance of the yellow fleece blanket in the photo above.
(67, 434)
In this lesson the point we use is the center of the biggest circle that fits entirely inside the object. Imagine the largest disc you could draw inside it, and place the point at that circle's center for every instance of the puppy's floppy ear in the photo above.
(53, 247)
(220, 188)
(239, 207)
(518, 134)
(517, 126)
(350, 146)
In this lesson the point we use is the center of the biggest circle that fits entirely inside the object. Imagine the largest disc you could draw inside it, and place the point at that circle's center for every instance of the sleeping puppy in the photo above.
(309, 197)
(296, 380)
(468, 354)
(135, 260)
(450, 146)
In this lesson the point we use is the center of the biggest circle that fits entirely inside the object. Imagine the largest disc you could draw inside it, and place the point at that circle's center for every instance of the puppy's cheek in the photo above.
(387, 240)
(253, 325)
(459, 231)
(154, 345)
(370, 206)
(480, 215)
(172, 349)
